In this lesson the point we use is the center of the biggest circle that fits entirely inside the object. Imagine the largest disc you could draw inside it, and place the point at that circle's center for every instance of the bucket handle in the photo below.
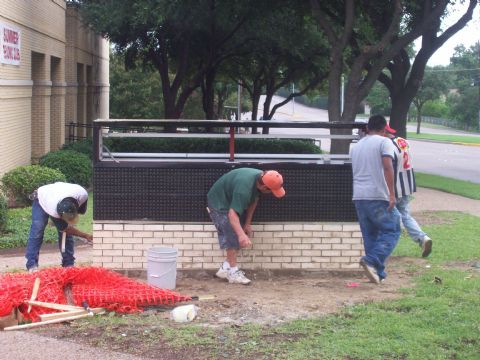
(162, 274)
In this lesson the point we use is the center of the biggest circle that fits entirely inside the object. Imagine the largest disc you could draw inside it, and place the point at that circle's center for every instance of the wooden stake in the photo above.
(55, 306)
(36, 286)
(64, 239)
(203, 297)
(40, 323)
(60, 315)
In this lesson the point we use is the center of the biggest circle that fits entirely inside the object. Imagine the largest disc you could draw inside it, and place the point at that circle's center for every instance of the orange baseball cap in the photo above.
(390, 130)
(274, 181)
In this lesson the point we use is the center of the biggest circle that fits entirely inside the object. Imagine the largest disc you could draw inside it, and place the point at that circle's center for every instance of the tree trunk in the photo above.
(257, 91)
(209, 95)
(399, 113)
(221, 96)
(255, 101)
(266, 109)
(419, 119)
(339, 146)
(170, 113)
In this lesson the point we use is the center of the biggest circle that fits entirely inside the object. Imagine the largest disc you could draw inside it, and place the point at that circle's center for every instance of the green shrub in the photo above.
(76, 167)
(22, 181)
(209, 145)
(84, 146)
(435, 108)
(3, 213)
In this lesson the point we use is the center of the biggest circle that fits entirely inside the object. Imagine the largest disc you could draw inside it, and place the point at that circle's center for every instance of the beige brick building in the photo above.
(53, 71)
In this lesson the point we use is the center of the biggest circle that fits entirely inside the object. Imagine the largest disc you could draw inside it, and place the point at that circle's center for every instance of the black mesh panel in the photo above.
(314, 192)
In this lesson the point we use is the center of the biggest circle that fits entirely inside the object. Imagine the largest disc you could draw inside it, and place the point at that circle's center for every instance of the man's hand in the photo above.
(391, 203)
(244, 241)
(89, 238)
(248, 230)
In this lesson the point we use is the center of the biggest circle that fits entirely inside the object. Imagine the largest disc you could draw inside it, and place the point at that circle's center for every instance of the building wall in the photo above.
(33, 94)
(87, 74)
(300, 246)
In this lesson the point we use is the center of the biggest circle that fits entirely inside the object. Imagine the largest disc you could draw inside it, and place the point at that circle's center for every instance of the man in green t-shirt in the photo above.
(235, 195)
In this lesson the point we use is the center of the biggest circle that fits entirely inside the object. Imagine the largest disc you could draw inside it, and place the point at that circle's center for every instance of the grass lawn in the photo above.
(459, 187)
(18, 227)
(426, 125)
(465, 139)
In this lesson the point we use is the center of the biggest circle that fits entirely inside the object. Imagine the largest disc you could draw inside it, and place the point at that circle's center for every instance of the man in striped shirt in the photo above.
(404, 187)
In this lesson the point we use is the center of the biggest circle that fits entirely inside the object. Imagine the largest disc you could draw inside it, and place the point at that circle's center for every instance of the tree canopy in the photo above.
(265, 45)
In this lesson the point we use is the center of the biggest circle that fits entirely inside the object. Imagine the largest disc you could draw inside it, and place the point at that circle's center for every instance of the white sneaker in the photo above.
(222, 273)
(370, 272)
(33, 269)
(426, 246)
(238, 277)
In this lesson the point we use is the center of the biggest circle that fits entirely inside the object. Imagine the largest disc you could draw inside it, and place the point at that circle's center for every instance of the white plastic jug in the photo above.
(184, 313)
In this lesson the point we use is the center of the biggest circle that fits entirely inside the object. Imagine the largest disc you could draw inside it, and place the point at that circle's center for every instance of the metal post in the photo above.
(342, 100)
(239, 100)
(232, 144)
(293, 99)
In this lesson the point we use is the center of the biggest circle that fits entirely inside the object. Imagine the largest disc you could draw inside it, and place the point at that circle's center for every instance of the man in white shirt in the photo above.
(63, 203)
(374, 197)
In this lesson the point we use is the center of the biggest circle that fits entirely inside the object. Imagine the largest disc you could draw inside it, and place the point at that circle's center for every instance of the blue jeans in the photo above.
(380, 231)
(35, 240)
(408, 221)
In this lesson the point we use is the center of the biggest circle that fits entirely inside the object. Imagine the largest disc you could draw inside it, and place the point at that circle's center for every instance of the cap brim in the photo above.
(278, 192)
(390, 130)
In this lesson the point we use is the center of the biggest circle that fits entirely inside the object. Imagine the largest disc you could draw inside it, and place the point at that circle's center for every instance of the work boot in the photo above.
(370, 272)
(238, 277)
(426, 246)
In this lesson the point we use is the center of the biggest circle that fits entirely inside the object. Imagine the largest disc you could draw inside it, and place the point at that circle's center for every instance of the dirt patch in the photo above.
(278, 298)
(432, 218)
(275, 297)
(462, 265)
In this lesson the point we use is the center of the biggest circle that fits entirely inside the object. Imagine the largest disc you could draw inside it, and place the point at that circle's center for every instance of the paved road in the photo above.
(455, 161)
(425, 129)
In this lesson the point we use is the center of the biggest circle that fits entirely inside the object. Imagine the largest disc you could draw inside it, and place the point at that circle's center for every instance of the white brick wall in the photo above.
(313, 246)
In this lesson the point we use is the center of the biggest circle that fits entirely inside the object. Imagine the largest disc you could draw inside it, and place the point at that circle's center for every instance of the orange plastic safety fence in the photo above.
(97, 286)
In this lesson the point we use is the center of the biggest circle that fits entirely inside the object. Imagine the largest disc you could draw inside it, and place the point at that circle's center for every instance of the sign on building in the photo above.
(9, 45)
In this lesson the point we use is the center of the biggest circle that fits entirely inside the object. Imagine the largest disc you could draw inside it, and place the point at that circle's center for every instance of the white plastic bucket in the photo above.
(162, 267)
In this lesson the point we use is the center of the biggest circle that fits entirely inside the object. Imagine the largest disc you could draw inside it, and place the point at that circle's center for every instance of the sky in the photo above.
(468, 36)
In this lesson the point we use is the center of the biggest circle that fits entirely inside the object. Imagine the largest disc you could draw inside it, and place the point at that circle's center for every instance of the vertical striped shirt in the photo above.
(402, 163)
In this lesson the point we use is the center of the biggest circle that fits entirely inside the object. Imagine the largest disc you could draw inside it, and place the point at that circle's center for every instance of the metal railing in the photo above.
(148, 129)
(72, 131)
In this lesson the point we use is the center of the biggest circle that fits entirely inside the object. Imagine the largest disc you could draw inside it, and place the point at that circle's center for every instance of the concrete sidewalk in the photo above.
(15, 260)
(24, 345)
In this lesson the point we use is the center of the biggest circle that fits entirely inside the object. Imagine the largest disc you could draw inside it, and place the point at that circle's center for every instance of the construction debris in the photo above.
(76, 291)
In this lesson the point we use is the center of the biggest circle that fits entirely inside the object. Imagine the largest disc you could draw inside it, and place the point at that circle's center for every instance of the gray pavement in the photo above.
(24, 345)
(449, 160)
(425, 128)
